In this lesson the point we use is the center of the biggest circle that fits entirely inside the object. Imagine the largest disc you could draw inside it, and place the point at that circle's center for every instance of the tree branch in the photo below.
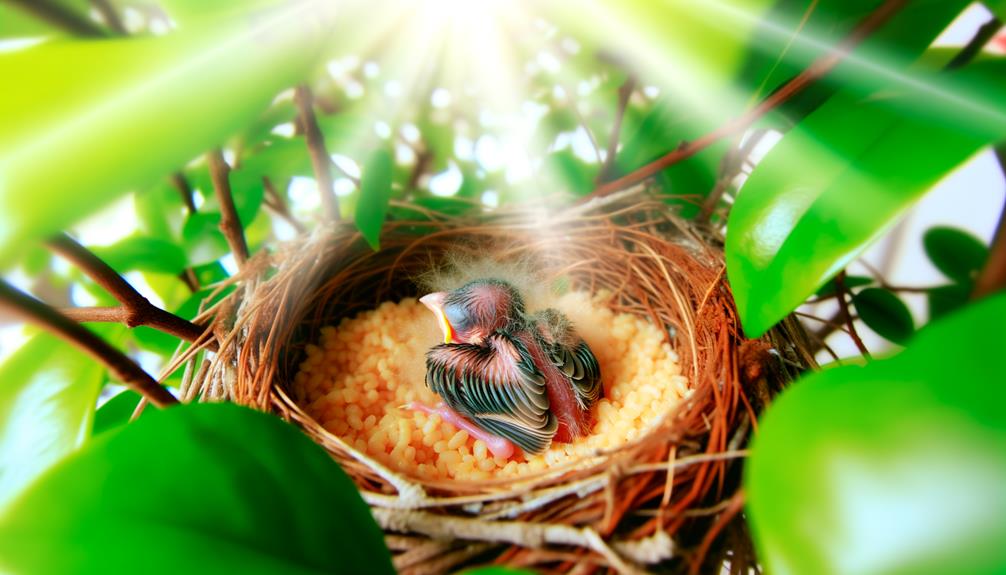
(993, 276)
(624, 94)
(230, 223)
(321, 161)
(818, 69)
(62, 17)
(31, 310)
(974, 46)
(137, 310)
(843, 307)
(185, 190)
(275, 203)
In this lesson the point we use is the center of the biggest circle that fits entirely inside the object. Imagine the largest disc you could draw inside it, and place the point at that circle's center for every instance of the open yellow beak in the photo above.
(435, 301)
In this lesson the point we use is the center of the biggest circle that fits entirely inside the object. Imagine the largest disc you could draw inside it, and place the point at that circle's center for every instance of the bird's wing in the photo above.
(571, 355)
(497, 386)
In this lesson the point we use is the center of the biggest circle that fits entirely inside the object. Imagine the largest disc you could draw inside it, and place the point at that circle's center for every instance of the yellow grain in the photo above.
(357, 375)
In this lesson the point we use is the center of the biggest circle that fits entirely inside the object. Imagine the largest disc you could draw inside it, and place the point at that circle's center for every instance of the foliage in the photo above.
(95, 112)
(895, 467)
(194, 488)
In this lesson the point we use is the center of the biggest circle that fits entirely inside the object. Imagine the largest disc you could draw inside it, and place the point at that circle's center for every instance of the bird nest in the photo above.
(668, 501)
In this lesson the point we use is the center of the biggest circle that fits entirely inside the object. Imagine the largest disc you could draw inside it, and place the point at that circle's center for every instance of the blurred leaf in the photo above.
(18, 23)
(211, 273)
(575, 174)
(260, 130)
(160, 211)
(202, 239)
(143, 253)
(116, 412)
(94, 119)
(829, 288)
(893, 468)
(884, 313)
(842, 178)
(375, 191)
(943, 300)
(956, 253)
(47, 401)
(203, 488)
(438, 139)
(795, 32)
(189, 12)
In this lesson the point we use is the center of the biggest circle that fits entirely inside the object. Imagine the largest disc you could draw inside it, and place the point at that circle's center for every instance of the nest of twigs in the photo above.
(667, 502)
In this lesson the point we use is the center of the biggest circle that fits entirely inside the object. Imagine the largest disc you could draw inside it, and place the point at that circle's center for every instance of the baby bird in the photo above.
(508, 377)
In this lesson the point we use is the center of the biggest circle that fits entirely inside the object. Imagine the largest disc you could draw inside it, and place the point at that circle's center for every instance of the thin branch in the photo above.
(185, 190)
(843, 306)
(275, 203)
(818, 69)
(993, 276)
(137, 309)
(986, 32)
(110, 16)
(624, 94)
(31, 310)
(230, 223)
(62, 17)
(321, 161)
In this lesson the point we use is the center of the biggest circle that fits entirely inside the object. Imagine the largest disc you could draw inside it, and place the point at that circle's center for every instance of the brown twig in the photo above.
(818, 69)
(320, 160)
(843, 306)
(986, 32)
(181, 184)
(624, 94)
(136, 309)
(29, 309)
(275, 203)
(993, 276)
(230, 223)
(62, 17)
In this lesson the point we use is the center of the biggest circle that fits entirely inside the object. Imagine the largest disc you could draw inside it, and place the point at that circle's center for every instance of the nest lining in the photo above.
(620, 508)
(357, 376)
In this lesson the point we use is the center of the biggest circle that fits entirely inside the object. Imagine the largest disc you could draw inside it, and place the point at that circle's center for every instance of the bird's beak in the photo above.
(435, 301)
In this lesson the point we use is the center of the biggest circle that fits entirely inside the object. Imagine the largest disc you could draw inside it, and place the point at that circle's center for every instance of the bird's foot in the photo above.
(497, 445)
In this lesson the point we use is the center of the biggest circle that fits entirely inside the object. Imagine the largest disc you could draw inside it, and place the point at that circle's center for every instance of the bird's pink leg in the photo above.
(499, 446)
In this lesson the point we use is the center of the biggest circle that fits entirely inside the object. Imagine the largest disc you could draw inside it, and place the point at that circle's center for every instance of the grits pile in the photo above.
(355, 379)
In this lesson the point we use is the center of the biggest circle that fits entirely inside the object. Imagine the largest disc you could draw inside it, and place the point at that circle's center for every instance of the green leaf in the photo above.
(843, 177)
(91, 120)
(143, 253)
(893, 468)
(47, 401)
(956, 253)
(116, 412)
(375, 192)
(202, 239)
(943, 300)
(796, 32)
(572, 173)
(203, 488)
(884, 313)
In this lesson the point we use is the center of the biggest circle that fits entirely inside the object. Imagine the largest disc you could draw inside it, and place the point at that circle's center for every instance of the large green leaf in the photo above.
(843, 177)
(47, 393)
(897, 467)
(375, 192)
(89, 120)
(139, 252)
(796, 32)
(204, 488)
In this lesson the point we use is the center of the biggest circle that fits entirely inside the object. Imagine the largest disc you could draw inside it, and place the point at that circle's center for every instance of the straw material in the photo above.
(669, 501)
